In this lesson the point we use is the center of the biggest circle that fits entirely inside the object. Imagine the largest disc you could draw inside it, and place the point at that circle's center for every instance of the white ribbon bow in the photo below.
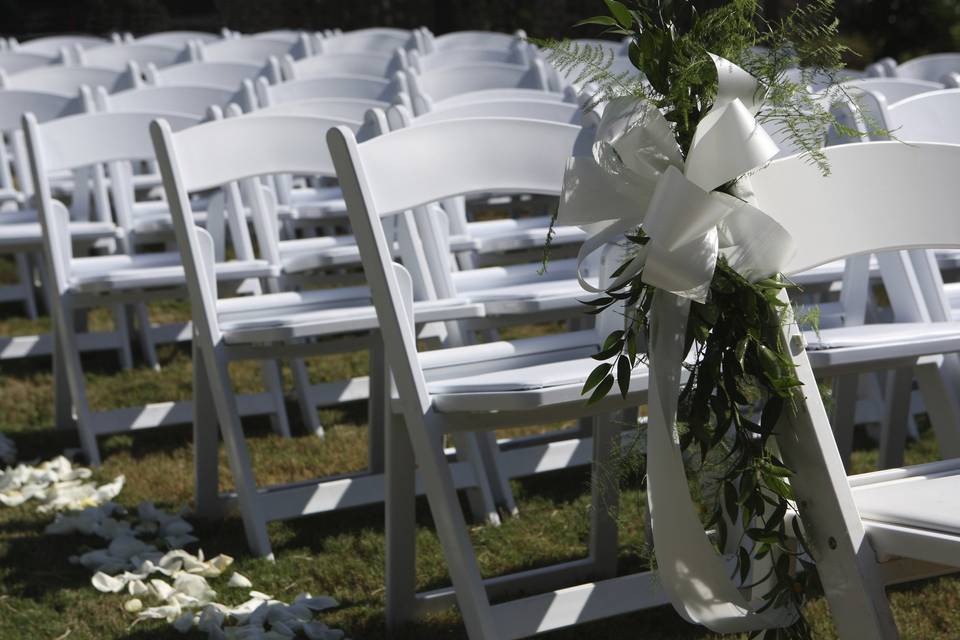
(636, 177)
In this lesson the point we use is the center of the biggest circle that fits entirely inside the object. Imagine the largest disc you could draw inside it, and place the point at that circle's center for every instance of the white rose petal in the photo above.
(107, 584)
(133, 605)
(238, 580)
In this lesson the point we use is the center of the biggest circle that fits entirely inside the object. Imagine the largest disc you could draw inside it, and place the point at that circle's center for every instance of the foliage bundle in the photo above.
(741, 378)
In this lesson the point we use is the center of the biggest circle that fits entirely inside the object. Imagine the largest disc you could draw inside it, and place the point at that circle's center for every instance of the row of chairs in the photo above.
(414, 171)
(380, 179)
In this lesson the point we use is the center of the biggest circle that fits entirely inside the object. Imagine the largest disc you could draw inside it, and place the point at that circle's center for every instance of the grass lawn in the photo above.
(43, 596)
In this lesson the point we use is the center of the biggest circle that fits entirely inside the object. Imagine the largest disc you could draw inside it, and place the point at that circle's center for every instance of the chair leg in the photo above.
(301, 386)
(144, 329)
(62, 403)
(121, 327)
(605, 498)
(206, 444)
(499, 482)
(427, 444)
(941, 407)
(378, 407)
(483, 507)
(273, 381)
(221, 391)
(25, 277)
(893, 436)
(68, 357)
(401, 547)
(844, 414)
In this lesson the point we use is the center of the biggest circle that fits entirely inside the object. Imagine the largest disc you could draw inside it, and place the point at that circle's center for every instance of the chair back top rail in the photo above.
(886, 214)
(171, 99)
(68, 80)
(45, 106)
(96, 138)
(932, 116)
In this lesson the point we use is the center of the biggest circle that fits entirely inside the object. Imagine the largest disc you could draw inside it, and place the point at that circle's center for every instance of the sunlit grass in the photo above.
(43, 596)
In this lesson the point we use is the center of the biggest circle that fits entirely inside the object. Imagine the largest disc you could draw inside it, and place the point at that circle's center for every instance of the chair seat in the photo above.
(927, 502)
(284, 317)
(305, 254)
(850, 349)
(523, 388)
(29, 235)
(102, 274)
(316, 203)
(512, 234)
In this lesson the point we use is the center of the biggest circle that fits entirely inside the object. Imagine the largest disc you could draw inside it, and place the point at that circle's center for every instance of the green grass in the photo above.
(341, 554)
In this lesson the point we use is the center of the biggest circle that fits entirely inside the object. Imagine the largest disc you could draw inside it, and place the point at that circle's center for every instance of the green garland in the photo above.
(742, 378)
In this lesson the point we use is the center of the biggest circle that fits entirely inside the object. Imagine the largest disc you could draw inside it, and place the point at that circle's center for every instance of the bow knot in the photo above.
(636, 176)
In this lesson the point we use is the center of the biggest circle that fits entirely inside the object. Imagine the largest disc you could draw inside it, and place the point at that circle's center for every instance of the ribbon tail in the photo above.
(697, 580)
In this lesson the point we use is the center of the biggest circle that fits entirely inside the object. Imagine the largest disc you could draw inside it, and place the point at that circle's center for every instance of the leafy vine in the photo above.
(741, 377)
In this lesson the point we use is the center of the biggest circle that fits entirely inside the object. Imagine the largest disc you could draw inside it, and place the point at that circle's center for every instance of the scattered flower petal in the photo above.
(237, 580)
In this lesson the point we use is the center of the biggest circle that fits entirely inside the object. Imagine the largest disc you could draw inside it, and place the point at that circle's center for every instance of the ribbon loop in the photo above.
(635, 176)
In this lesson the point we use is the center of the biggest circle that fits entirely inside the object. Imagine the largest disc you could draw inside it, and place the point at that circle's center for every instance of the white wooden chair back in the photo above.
(932, 67)
(333, 64)
(441, 84)
(178, 39)
(13, 104)
(215, 154)
(55, 45)
(250, 50)
(469, 40)
(226, 75)
(68, 80)
(382, 41)
(343, 86)
(12, 62)
(927, 117)
(166, 99)
(118, 56)
(437, 224)
(78, 142)
(348, 108)
(516, 54)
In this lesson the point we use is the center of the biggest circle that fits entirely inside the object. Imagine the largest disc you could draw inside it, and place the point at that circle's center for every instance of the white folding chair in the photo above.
(12, 62)
(429, 43)
(82, 282)
(439, 84)
(19, 228)
(480, 387)
(931, 67)
(223, 75)
(265, 94)
(251, 50)
(269, 325)
(338, 64)
(178, 39)
(57, 45)
(375, 40)
(68, 80)
(119, 56)
(517, 53)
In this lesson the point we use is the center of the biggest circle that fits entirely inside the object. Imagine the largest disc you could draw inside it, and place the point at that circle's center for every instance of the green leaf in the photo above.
(613, 339)
(603, 20)
(602, 390)
(730, 499)
(624, 369)
(620, 12)
(596, 376)
(743, 562)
